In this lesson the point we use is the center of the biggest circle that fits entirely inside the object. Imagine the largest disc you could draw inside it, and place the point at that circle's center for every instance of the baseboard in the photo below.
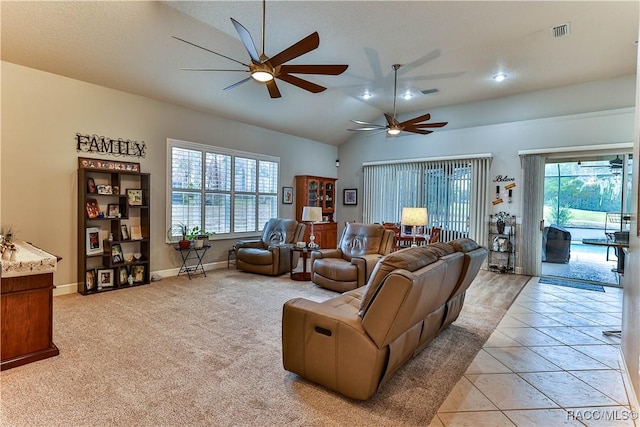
(628, 385)
(72, 288)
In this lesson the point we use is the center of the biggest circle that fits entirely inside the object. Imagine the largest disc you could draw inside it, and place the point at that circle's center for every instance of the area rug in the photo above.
(207, 352)
(571, 284)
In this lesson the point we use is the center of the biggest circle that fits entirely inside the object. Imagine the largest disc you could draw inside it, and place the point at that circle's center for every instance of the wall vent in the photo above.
(428, 91)
(561, 30)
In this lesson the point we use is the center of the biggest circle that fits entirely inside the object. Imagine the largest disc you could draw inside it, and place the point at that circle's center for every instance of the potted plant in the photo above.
(199, 236)
(183, 230)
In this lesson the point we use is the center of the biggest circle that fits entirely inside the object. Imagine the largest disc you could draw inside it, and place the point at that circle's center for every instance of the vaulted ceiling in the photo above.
(454, 47)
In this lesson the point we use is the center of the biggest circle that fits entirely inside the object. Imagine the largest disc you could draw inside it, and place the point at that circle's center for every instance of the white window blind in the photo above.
(224, 191)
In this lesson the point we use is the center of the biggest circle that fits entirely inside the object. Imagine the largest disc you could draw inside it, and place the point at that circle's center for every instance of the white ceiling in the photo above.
(453, 46)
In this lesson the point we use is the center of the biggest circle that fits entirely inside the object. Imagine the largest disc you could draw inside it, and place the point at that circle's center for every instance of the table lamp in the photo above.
(414, 217)
(312, 214)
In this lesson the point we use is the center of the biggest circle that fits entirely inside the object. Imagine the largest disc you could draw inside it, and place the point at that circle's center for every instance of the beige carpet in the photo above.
(206, 352)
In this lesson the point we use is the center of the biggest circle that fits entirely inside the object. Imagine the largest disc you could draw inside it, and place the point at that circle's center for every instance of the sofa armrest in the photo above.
(365, 265)
(327, 344)
(249, 244)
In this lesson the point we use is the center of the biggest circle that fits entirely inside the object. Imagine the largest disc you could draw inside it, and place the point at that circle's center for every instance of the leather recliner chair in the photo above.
(271, 254)
(350, 265)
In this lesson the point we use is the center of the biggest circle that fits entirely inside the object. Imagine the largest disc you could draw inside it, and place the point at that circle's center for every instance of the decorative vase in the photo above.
(500, 226)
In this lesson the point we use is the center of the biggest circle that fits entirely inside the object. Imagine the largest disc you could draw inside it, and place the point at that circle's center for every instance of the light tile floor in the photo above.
(547, 364)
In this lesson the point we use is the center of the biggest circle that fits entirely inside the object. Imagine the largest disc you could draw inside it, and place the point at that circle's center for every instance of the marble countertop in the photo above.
(27, 260)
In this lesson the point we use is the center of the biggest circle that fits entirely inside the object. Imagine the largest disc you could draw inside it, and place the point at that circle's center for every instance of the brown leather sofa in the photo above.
(353, 343)
(350, 265)
(271, 254)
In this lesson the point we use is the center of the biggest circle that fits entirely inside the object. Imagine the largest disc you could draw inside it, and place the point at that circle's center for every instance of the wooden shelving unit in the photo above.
(100, 264)
(318, 191)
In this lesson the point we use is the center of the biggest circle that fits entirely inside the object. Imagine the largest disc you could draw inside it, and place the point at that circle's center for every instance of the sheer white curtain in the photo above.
(530, 243)
(454, 191)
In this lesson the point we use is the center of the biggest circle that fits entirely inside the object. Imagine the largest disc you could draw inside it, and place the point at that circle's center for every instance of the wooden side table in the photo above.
(303, 275)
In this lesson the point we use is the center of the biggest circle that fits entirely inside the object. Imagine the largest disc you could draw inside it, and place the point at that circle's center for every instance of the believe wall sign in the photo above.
(116, 147)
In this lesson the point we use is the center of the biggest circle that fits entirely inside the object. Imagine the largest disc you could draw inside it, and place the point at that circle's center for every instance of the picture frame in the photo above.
(91, 186)
(93, 209)
(124, 233)
(105, 278)
(90, 279)
(93, 241)
(287, 195)
(138, 271)
(134, 196)
(104, 189)
(124, 276)
(110, 165)
(350, 196)
(136, 232)
(113, 210)
(117, 256)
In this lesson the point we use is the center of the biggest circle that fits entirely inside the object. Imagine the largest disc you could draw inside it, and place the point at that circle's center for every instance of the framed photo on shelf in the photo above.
(90, 279)
(94, 242)
(113, 210)
(105, 278)
(134, 196)
(137, 271)
(93, 210)
(350, 196)
(104, 189)
(124, 234)
(136, 232)
(287, 195)
(91, 186)
(124, 275)
(117, 255)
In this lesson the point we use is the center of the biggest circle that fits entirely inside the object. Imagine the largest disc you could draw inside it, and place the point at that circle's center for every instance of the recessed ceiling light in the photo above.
(500, 77)
(407, 95)
(366, 95)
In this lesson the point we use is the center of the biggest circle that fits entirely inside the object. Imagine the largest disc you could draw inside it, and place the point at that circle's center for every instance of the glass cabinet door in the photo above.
(328, 196)
(312, 192)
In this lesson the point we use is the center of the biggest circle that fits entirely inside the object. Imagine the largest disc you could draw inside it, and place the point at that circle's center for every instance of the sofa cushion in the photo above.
(361, 239)
(335, 269)
(255, 256)
(410, 259)
(464, 245)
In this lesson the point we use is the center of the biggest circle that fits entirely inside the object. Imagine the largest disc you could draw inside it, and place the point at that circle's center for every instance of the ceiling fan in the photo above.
(266, 69)
(393, 127)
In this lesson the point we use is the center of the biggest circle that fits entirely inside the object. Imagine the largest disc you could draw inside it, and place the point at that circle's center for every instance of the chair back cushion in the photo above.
(278, 231)
(360, 239)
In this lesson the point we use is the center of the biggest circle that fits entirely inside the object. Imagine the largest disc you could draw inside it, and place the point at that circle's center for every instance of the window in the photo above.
(449, 189)
(220, 190)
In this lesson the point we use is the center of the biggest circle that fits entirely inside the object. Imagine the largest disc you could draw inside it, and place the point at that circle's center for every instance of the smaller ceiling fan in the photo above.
(266, 69)
(393, 127)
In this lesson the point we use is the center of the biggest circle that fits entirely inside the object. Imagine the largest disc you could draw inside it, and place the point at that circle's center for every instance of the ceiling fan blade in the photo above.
(331, 70)
(307, 44)
(274, 92)
(303, 84)
(427, 125)
(369, 128)
(415, 120)
(360, 122)
(247, 41)
(237, 84)
(210, 51)
(390, 119)
(211, 69)
(420, 131)
(421, 61)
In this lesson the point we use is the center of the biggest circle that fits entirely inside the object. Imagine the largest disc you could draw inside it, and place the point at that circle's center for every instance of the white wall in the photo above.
(41, 114)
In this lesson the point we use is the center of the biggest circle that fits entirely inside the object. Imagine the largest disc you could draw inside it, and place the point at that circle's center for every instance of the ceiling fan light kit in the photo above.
(266, 69)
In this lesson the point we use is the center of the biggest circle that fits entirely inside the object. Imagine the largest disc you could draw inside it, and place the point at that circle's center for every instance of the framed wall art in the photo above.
(113, 210)
(90, 279)
(93, 210)
(287, 195)
(350, 196)
(124, 233)
(134, 196)
(105, 278)
(94, 242)
(124, 276)
(137, 271)
(116, 254)
(91, 186)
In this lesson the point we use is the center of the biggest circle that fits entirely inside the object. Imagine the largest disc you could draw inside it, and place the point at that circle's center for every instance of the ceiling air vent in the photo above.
(561, 30)
(428, 91)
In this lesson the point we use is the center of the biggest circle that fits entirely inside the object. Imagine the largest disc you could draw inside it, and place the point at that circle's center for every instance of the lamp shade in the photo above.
(312, 213)
(414, 216)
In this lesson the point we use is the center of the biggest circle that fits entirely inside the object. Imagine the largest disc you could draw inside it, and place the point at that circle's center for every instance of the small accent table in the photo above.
(192, 253)
(303, 275)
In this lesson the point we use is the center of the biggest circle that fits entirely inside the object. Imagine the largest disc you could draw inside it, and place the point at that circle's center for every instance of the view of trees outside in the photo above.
(580, 195)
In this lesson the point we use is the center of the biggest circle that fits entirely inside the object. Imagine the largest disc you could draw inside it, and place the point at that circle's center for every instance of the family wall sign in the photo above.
(115, 147)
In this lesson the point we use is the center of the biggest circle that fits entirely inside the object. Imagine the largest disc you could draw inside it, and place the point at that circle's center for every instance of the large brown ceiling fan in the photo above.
(266, 69)
(393, 127)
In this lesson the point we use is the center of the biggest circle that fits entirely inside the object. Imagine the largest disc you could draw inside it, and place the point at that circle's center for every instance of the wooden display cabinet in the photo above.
(116, 232)
(318, 191)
